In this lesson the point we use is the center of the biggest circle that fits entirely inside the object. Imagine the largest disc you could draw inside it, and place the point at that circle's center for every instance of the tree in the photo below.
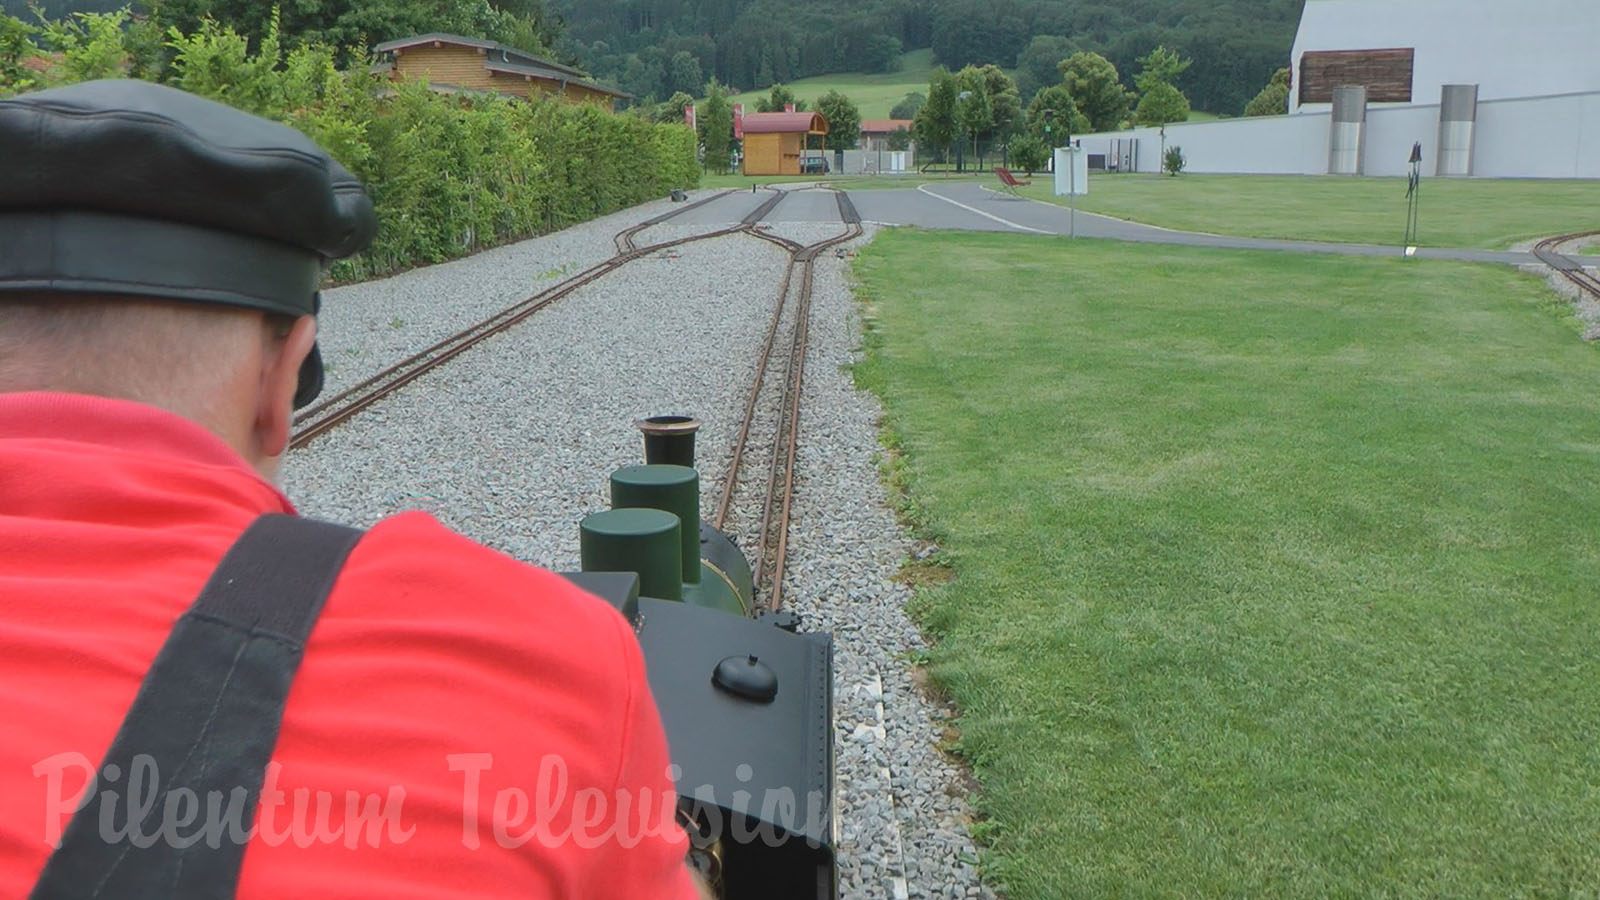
(684, 73)
(908, 108)
(1053, 106)
(672, 110)
(715, 118)
(1036, 64)
(880, 53)
(1005, 104)
(935, 124)
(16, 45)
(1092, 81)
(777, 99)
(1161, 104)
(90, 45)
(899, 139)
(975, 32)
(844, 121)
(974, 115)
(1028, 152)
(1159, 66)
(1273, 99)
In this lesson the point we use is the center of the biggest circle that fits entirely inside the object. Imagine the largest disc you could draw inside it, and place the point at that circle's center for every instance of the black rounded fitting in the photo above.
(669, 440)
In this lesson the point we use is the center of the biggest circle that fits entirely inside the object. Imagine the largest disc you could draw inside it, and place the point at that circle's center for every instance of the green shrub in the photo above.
(1028, 153)
(449, 175)
(1172, 162)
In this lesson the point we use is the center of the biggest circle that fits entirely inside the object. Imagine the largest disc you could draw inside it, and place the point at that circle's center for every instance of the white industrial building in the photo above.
(1490, 88)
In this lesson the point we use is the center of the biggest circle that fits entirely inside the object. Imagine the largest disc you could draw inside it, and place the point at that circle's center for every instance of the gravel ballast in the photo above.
(511, 444)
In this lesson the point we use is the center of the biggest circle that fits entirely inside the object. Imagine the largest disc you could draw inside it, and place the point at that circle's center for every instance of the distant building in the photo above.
(1486, 87)
(780, 143)
(1405, 52)
(875, 132)
(450, 62)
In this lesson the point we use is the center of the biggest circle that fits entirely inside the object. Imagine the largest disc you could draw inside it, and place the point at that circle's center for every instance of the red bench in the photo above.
(1009, 181)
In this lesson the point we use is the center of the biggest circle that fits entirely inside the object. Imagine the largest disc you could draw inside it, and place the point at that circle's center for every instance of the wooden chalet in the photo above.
(450, 62)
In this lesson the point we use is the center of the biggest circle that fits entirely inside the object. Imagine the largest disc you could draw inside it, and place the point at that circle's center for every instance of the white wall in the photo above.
(1541, 137)
(869, 162)
(1509, 48)
(1269, 145)
(1548, 137)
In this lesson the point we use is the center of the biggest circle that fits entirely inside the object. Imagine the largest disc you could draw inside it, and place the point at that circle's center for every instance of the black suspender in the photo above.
(204, 723)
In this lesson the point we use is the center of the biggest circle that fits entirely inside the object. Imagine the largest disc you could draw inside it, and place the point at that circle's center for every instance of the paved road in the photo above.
(970, 206)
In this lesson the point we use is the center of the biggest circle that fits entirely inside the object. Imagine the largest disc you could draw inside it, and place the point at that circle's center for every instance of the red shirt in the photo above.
(454, 709)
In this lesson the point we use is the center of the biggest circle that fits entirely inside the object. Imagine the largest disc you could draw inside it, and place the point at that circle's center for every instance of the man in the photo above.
(459, 725)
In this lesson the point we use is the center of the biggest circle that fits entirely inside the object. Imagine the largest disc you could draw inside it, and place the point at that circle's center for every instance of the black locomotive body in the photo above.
(746, 698)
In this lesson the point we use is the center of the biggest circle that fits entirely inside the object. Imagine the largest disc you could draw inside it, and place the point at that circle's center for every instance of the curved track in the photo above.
(329, 414)
(770, 399)
(1548, 252)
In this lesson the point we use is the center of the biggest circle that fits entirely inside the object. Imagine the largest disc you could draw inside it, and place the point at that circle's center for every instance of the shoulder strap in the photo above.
(174, 804)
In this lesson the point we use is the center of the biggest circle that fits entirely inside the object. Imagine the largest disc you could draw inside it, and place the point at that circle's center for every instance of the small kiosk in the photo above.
(775, 143)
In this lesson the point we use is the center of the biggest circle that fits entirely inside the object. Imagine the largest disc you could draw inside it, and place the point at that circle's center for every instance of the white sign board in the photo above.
(1072, 171)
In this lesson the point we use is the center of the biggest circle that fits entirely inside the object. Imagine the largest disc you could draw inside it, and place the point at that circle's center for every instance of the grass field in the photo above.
(1490, 214)
(874, 95)
(1275, 575)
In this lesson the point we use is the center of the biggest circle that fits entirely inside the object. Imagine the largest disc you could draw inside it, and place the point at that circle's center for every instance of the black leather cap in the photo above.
(126, 187)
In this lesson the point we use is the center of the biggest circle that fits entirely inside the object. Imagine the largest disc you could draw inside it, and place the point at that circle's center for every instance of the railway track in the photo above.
(774, 397)
(770, 551)
(323, 417)
(1548, 252)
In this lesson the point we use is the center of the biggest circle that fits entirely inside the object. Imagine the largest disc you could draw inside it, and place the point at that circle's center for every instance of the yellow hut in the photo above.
(774, 143)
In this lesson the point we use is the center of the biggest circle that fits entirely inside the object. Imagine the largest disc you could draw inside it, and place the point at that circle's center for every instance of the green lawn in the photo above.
(1276, 575)
(874, 95)
(1483, 213)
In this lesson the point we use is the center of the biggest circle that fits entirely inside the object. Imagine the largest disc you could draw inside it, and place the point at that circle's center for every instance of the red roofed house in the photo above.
(775, 142)
(453, 62)
(875, 132)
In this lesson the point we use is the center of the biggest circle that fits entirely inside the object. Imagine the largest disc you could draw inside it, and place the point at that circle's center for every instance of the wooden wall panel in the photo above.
(1386, 74)
(761, 154)
(460, 66)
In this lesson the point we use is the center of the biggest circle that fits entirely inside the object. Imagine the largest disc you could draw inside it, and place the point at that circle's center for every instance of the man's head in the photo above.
(159, 247)
(232, 370)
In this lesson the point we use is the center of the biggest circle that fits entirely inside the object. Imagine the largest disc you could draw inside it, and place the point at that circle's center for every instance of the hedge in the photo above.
(450, 174)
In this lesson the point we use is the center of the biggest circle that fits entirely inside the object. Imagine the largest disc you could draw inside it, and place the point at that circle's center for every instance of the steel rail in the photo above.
(624, 239)
(852, 219)
(329, 414)
(741, 441)
(771, 550)
(1548, 253)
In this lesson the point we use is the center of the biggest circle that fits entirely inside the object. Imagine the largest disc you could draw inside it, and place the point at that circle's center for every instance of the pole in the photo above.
(1072, 193)
(1413, 189)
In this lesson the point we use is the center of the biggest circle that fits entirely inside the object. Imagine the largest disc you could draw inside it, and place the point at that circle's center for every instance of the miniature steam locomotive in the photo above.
(747, 702)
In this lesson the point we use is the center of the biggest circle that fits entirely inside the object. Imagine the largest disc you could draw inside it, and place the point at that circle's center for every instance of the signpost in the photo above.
(1413, 185)
(1071, 179)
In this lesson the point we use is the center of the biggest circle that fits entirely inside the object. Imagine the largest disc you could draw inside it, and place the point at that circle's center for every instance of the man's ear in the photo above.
(280, 376)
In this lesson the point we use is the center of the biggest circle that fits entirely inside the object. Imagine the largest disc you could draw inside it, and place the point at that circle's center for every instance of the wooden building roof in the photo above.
(785, 123)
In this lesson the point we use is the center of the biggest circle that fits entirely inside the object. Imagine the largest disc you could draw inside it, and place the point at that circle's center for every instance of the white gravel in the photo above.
(511, 444)
(366, 327)
(903, 810)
